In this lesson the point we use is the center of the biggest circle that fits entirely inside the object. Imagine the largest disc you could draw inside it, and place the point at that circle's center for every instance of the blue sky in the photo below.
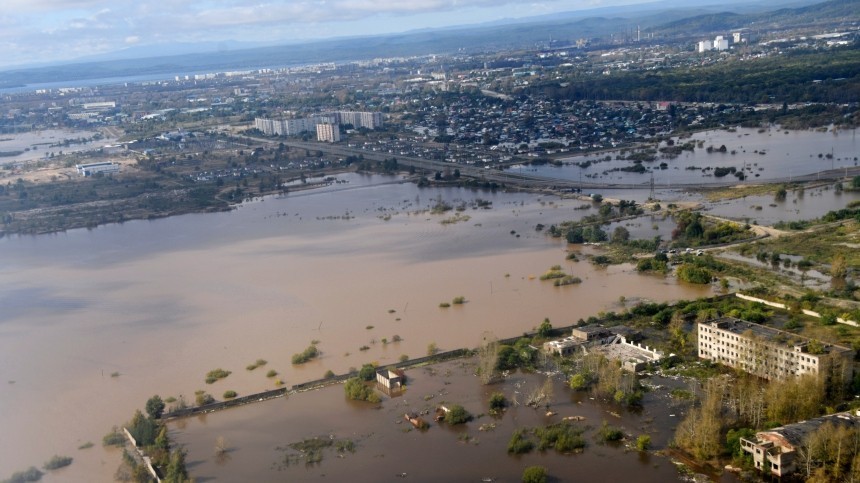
(34, 31)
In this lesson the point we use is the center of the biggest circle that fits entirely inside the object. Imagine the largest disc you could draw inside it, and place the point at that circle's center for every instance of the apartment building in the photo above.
(770, 353)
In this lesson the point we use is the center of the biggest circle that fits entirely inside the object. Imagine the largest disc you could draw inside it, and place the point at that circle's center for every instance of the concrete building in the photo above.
(329, 133)
(720, 43)
(358, 119)
(611, 343)
(290, 127)
(775, 451)
(93, 168)
(704, 46)
(770, 353)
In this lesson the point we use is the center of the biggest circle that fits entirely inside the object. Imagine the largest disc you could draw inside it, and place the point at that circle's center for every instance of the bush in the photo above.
(444, 305)
(272, 373)
(57, 462)
(519, 444)
(643, 442)
(497, 402)
(202, 398)
(457, 414)
(693, 274)
(459, 300)
(356, 390)
(534, 474)
(216, 374)
(229, 394)
(608, 433)
(562, 436)
(258, 363)
(114, 438)
(30, 474)
(328, 374)
(310, 353)
(578, 382)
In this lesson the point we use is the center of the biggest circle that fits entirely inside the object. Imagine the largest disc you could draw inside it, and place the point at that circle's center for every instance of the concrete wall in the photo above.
(783, 306)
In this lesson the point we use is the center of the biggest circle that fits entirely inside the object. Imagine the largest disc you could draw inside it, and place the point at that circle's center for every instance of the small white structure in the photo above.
(90, 169)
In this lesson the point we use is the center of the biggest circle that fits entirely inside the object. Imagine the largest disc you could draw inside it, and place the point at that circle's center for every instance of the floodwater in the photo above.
(256, 436)
(774, 154)
(35, 145)
(805, 204)
(162, 302)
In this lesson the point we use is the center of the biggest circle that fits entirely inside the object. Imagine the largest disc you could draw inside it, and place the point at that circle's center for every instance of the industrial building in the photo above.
(92, 168)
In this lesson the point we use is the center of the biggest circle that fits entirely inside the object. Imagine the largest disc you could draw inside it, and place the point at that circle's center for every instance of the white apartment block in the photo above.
(329, 133)
(290, 127)
(359, 119)
(769, 353)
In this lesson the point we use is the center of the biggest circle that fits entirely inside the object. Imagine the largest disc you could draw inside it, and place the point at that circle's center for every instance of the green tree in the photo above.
(620, 234)
(545, 328)
(155, 407)
(176, 471)
(457, 414)
(534, 474)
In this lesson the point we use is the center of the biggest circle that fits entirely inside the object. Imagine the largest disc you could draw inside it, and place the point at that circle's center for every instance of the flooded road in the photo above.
(94, 322)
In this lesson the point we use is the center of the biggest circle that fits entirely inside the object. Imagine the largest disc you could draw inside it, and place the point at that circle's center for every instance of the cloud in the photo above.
(53, 29)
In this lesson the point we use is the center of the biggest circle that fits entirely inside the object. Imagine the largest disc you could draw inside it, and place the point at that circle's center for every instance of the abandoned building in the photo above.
(392, 381)
(614, 343)
(777, 450)
(771, 353)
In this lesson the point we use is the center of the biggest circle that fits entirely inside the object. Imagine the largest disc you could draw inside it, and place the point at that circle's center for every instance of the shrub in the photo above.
(459, 300)
(519, 444)
(497, 402)
(643, 442)
(444, 305)
(229, 394)
(216, 374)
(432, 349)
(608, 433)
(693, 274)
(258, 363)
(578, 382)
(30, 474)
(87, 445)
(457, 414)
(534, 474)
(328, 374)
(114, 438)
(57, 462)
(202, 398)
(310, 353)
(272, 373)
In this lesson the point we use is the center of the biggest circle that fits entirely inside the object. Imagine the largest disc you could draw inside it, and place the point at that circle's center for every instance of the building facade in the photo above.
(770, 353)
(329, 133)
(93, 168)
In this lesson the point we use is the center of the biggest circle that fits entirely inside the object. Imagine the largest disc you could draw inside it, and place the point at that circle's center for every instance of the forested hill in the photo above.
(829, 11)
(792, 77)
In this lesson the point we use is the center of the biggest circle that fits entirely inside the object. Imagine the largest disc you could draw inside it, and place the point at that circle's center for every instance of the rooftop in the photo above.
(770, 334)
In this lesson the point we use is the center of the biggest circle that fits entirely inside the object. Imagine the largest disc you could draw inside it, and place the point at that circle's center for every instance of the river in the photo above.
(162, 302)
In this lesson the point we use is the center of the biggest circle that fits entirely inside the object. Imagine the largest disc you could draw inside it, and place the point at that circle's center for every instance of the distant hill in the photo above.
(514, 34)
(723, 21)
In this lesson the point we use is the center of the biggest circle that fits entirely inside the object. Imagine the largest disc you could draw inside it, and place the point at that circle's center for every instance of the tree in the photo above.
(620, 234)
(176, 471)
(356, 390)
(488, 359)
(457, 414)
(155, 407)
(838, 266)
(498, 402)
(545, 328)
(780, 194)
(534, 474)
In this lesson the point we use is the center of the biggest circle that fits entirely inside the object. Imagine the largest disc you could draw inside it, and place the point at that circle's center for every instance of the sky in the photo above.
(42, 31)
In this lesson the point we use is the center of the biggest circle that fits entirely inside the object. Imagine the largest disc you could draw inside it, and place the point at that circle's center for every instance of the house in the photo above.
(776, 450)
(390, 380)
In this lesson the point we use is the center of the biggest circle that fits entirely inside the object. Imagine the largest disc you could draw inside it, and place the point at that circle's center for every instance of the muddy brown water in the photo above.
(162, 302)
(257, 437)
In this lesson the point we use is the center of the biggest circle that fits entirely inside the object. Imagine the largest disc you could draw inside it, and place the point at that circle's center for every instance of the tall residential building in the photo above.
(704, 46)
(291, 127)
(328, 132)
(771, 353)
(720, 43)
(359, 119)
